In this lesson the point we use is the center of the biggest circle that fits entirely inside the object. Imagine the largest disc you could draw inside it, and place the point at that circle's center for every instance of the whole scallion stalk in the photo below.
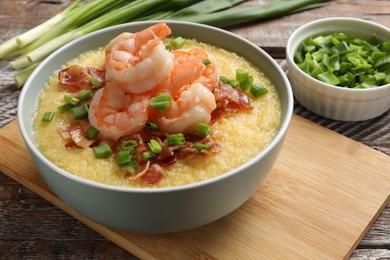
(23, 39)
(84, 16)
(236, 16)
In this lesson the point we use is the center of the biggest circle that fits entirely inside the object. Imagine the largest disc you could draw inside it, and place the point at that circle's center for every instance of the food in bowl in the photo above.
(335, 102)
(341, 60)
(182, 112)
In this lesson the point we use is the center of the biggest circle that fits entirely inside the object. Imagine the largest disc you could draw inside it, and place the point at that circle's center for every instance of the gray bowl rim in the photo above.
(275, 141)
(290, 54)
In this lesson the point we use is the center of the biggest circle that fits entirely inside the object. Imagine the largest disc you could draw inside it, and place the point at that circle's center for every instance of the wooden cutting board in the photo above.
(319, 200)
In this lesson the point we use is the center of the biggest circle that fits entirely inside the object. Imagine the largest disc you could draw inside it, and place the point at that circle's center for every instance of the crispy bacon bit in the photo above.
(75, 136)
(153, 174)
(75, 78)
(228, 98)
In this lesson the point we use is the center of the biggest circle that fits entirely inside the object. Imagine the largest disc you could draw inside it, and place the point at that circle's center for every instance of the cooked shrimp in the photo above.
(138, 62)
(188, 68)
(194, 106)
(115, 113)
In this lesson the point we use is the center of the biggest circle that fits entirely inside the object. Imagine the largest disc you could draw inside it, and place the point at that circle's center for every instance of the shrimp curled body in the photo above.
(194, 106)
(115, 113)
(138, 62)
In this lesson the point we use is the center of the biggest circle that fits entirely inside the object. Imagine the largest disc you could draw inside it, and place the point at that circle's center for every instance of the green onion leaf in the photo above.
(178, 42)
(176, 139)
(206, 62)
(154, 146)
(48, 116)
(95, 82)
(80, 112)
(152, 126)
(131, 167)
(128, 144)
(102, 151)
(92, 133)
(203, 129)
(85, 94)
(71, 100)
(200, 146)
(241, 75)
(123, 158)
(65, 107)
(148, 155)
(233, 83)
(161, 102)
(258, 90)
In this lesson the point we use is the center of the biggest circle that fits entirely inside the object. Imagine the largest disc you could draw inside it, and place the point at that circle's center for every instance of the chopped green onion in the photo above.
(128, 144)
(176, 139)
(233, 83)
(123, 158)
(102, 151)
(168, 47)
(206, 62)
(152, 126)
(85, 94)
(48, 116)
(65, 107)
(200, 146)
(258, 90)
(132, 166)
(161, 102)
(148, 155)
(178, 42)
(341, 60)
(246, 83)
(80, 112)
(203, 129)
(241, 75)
(92, 133)
(95, 82)
(71, 100)
(328, 77)
(154, 146)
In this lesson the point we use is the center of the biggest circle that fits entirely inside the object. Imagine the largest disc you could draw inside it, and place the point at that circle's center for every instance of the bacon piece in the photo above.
(153, 174)
(228, 98)
(75, 136)
(75, 78)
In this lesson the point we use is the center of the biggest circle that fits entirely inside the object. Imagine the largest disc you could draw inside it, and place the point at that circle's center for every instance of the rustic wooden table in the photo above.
(32, 228)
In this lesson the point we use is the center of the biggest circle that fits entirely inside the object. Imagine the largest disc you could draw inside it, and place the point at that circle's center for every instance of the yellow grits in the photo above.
(241, 135)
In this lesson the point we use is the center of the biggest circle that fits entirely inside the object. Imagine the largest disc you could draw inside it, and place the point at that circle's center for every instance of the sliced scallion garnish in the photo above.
(71, 100)
(200, 146)
(92, 133)
(128, 144)
(48, 116)
(176, 139)
(80, 112)
(85, 94)
(203, 129)
(178, 42)
(102, 151)
(148, 155)
(154, 146)
(161, 102)
(152, 126)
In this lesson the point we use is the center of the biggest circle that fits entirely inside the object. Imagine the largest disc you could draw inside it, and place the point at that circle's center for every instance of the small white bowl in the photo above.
(330, 101)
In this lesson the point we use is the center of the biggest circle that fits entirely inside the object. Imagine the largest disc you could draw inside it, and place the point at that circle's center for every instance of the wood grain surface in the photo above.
(314, 204)
(32, 228)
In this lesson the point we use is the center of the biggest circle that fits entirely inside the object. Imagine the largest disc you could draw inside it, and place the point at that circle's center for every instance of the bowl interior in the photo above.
(211, 35)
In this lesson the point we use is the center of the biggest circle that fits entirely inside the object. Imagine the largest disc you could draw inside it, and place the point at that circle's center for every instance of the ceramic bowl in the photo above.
(164, 209)
(338, 103)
